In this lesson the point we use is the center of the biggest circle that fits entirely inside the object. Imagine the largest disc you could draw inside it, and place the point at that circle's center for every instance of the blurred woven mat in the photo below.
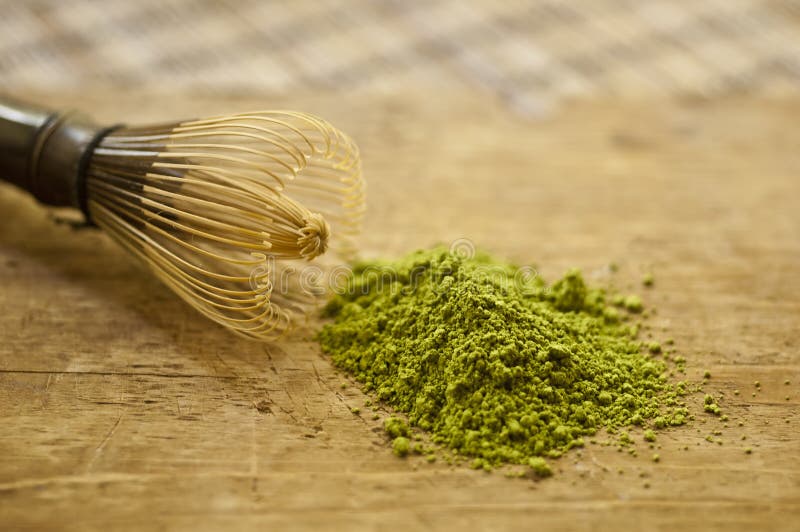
(531, 54)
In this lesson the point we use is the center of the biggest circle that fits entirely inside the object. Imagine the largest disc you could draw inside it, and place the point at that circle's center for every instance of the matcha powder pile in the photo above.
(496, 367)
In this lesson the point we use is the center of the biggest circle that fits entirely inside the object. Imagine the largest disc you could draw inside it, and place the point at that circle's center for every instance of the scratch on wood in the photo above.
(120, 374)
(225, 365)
(43, 403)
(253, 448)
(102, 445)
(271, 362)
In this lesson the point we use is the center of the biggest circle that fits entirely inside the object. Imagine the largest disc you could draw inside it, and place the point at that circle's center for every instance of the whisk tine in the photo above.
(220, 208)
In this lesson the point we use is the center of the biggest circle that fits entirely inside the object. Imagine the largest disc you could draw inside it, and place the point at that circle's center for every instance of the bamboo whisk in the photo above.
(223, 210)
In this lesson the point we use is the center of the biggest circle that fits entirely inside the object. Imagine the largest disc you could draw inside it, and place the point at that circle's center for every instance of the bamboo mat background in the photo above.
(530, 54)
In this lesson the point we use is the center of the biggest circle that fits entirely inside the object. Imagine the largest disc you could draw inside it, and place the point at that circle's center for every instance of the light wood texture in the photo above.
(123, 409)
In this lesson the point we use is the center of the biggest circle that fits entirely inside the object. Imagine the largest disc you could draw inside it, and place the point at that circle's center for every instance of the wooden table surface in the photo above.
(123, 409)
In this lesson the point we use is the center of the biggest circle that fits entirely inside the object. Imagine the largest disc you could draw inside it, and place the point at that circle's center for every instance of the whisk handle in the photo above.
(20, 126)
(46, 152)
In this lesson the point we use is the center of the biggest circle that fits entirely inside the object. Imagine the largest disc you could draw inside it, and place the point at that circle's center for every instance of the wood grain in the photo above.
(123, 409)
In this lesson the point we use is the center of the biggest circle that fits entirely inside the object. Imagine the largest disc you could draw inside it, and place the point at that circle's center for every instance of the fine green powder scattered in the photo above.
(495, 366)
(401, 446)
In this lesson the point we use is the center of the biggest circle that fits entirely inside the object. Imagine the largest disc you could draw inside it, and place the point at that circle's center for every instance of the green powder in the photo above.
(495, 366)
(540, 467)
(401, 446)
(396, 427)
